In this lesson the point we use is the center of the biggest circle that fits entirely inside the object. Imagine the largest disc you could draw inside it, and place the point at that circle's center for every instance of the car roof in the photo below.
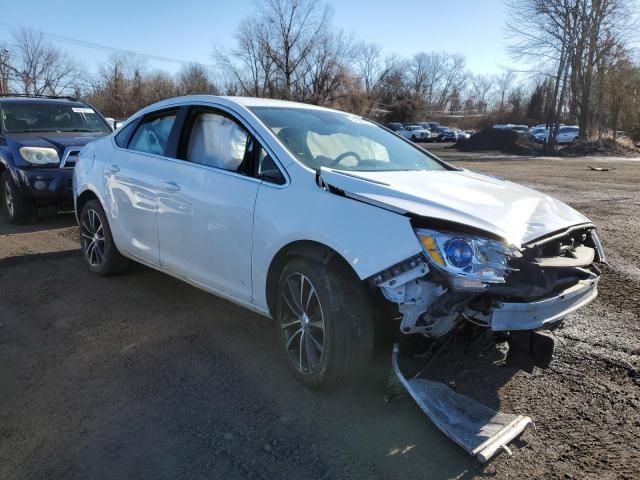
(247, 102)
(19, 99)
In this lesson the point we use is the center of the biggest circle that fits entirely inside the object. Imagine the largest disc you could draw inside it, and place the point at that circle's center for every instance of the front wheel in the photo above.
(97, 243)
(15, 206)
(325, 318)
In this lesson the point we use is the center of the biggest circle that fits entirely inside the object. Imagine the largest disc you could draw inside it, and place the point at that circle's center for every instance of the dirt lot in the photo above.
(142, 376)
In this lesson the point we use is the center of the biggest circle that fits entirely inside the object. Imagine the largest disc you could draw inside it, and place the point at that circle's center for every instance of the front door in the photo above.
(206, 203)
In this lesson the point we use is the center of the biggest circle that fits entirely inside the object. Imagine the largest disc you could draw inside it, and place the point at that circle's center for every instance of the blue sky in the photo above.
(188, 29)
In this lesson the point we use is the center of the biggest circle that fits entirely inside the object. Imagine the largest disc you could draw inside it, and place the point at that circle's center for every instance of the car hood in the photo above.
(57, 140)
(513, 212)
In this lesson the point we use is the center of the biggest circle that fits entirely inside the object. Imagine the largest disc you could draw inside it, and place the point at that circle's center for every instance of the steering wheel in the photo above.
(344, 155)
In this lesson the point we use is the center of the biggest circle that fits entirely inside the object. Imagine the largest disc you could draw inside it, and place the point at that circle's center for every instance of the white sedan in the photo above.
(415, 133)
(566, 134)
(327, 223)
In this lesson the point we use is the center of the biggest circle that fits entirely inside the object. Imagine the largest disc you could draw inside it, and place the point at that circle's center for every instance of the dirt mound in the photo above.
(504, 140)
(609, 148)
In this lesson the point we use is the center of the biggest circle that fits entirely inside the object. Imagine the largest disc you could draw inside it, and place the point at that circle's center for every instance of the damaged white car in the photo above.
(324, 221)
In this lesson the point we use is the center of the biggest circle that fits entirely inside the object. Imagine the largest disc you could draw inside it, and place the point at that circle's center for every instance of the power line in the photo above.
(97, 46)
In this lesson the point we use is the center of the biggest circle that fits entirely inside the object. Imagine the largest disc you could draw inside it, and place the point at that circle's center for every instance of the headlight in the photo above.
(40, 155)
(474, 260)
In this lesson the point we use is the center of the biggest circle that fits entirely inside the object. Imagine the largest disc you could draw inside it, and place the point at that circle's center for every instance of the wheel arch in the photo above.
(301, 248)
(83, 198)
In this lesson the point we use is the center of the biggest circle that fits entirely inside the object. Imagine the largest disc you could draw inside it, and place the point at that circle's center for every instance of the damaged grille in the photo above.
(550, 265)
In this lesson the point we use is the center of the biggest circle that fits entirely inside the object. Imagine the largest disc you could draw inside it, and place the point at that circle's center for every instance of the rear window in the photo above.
(22, 117)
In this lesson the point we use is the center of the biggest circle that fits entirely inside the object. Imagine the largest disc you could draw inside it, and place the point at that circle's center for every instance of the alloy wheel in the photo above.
(302, 323)
(92, 237)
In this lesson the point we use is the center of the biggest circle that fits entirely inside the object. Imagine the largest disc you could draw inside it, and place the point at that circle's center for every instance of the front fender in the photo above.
(369, 238)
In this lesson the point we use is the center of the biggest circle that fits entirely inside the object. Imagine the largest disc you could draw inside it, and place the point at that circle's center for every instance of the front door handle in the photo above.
(171, 187)
(113, 168)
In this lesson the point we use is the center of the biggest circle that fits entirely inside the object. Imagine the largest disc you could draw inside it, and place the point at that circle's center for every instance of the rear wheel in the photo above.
(15, 206)
(325, 319)
(97, 243)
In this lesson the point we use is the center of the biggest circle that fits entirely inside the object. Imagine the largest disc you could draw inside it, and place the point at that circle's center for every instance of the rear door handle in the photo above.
(113, 168)
(171, 187)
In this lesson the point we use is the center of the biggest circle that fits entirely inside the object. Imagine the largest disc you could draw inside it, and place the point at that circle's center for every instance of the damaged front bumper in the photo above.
(544, 282)
(543, 313)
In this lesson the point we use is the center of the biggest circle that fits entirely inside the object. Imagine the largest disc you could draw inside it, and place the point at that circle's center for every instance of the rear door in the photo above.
(131, 184)
(206, 201)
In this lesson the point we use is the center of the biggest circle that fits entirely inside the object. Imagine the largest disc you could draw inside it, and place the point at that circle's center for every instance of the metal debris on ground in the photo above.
(601, 169)
(478, 429)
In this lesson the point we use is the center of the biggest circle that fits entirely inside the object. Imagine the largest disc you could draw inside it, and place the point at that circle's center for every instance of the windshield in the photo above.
(51, 117)
(320, 138)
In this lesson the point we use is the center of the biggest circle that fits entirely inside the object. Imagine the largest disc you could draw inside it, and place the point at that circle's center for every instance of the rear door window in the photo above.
(152, 136)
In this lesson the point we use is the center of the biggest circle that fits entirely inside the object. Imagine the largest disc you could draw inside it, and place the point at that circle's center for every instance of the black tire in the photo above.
(346, 308)
(97, 243)
(14, 205)
(413, 138)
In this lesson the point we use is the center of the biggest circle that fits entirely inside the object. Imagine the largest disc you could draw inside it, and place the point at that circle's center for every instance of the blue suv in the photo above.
(40, 139)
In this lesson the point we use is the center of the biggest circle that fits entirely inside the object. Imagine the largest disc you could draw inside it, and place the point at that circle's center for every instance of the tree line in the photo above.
(579, 70)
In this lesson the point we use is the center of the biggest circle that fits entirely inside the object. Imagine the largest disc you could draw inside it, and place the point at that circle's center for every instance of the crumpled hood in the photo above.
(516, 213)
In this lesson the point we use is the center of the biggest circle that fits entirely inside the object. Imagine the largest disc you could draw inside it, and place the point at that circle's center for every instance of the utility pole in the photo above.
(4, 70)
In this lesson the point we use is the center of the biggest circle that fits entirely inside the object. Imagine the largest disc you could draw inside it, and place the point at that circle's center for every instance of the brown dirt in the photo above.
(142, 376)
(609, 148)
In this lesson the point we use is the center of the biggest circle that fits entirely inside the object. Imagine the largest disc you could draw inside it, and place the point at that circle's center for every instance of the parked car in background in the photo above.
(566, 134)
(621, 134)
(462, 135)
(431, 126)
(521, 129)
(40, 140)
(313, 217)
(415, 133)
(395, 126)
(447, 135)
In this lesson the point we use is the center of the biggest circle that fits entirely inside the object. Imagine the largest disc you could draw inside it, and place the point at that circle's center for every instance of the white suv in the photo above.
(325, 221)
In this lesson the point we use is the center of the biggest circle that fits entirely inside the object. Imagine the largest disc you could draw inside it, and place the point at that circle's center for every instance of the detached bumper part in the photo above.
(541, 313)
(479, 430)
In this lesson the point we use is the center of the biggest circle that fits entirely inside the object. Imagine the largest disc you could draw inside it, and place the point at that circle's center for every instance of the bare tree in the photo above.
(570, 40)
(194, 79)
(369, 66)
(249, 65)
(481, 86)
(39, 68)
(5, 68)
(326, 69)
(292, 29)
(504, 82)
(543, 32)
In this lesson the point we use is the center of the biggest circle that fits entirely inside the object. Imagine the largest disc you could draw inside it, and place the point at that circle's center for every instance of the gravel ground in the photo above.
(142, 376)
